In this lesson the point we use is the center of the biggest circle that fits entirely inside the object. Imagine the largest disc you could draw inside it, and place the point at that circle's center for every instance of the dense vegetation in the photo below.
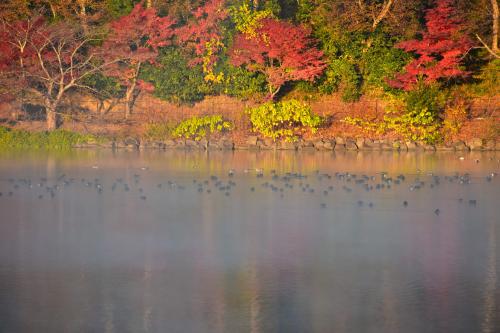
(57, 139)
(414, 54)
(200, 127)
(285, 119)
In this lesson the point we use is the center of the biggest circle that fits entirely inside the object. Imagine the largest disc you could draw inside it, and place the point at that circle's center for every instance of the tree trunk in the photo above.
(51, 119)
(129, 95)
(494, 35)
(83, 17)
(51, 113)
(128, 100)
(52, 10)
(273, 92)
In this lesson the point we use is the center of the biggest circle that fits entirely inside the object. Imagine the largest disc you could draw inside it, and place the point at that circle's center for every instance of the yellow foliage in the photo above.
(211, 48)
(247, 20)
(454, 118)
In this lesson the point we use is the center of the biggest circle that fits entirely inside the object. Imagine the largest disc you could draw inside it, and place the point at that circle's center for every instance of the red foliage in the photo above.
(135, 39)
(16, 41)
(281, 51)
(29, 51)
(439, 50)
(47, 60)
(6, 51)
(204, 28)
(145, 86)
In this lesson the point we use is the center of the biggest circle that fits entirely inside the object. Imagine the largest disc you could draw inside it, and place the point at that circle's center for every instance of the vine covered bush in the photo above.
(287, 119)
(415, 125)
(198, 128)
(419, 120)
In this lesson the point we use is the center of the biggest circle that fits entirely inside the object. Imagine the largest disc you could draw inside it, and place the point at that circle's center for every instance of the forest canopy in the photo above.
(184, 50)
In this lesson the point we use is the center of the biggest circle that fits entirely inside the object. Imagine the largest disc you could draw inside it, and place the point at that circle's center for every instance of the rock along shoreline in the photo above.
(336, 144)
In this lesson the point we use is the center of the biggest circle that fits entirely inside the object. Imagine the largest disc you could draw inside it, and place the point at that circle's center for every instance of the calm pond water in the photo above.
(102, 241)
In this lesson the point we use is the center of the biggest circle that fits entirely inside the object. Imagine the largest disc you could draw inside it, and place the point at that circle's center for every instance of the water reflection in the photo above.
(253, 261)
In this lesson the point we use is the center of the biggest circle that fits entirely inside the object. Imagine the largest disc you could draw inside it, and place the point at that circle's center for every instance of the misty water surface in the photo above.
(101, 241)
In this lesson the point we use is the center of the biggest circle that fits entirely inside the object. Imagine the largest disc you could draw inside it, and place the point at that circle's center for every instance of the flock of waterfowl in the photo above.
(319, 184)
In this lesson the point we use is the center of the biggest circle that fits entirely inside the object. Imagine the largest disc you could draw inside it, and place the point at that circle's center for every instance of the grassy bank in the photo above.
(58, 139)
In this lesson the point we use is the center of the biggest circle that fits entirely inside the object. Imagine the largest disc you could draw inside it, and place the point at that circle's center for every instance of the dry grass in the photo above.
(83, 116)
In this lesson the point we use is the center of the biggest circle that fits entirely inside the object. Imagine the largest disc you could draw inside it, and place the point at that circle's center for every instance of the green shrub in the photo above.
(201, 127)
(286, 119)
(119, 8)
(381, 61)
(489, 80)
(104, 87)
(341, 75)
(58, 139)
(243, 83)
(174, 80)
(427, 98)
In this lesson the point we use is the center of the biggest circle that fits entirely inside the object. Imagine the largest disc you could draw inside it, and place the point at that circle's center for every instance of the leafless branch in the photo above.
(383, 13)
(496, 55)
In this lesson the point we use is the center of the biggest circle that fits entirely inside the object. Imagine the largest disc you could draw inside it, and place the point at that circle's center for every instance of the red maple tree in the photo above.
(47, 60)
(439, 51)
(135, 39)
(203, 33)
(15, 47)
(281, 51)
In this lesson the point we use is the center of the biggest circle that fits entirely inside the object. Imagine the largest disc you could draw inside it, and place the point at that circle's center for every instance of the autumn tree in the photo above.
(48, 60)
(135, 39)
(203, 35)
(438, 52)
(281, 51)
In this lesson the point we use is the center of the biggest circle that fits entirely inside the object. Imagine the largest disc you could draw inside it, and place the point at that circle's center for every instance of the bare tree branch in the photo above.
(496, 55)
(383, 13)
(495, 13)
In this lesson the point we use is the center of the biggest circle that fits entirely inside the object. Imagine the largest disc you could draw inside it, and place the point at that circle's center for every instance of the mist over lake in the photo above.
(176, 241)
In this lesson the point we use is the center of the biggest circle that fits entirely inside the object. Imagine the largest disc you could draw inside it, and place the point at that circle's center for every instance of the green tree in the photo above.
(174, 80)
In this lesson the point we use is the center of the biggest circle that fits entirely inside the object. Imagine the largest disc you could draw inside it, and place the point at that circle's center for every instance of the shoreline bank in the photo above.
(257, 143)
(64, 139)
